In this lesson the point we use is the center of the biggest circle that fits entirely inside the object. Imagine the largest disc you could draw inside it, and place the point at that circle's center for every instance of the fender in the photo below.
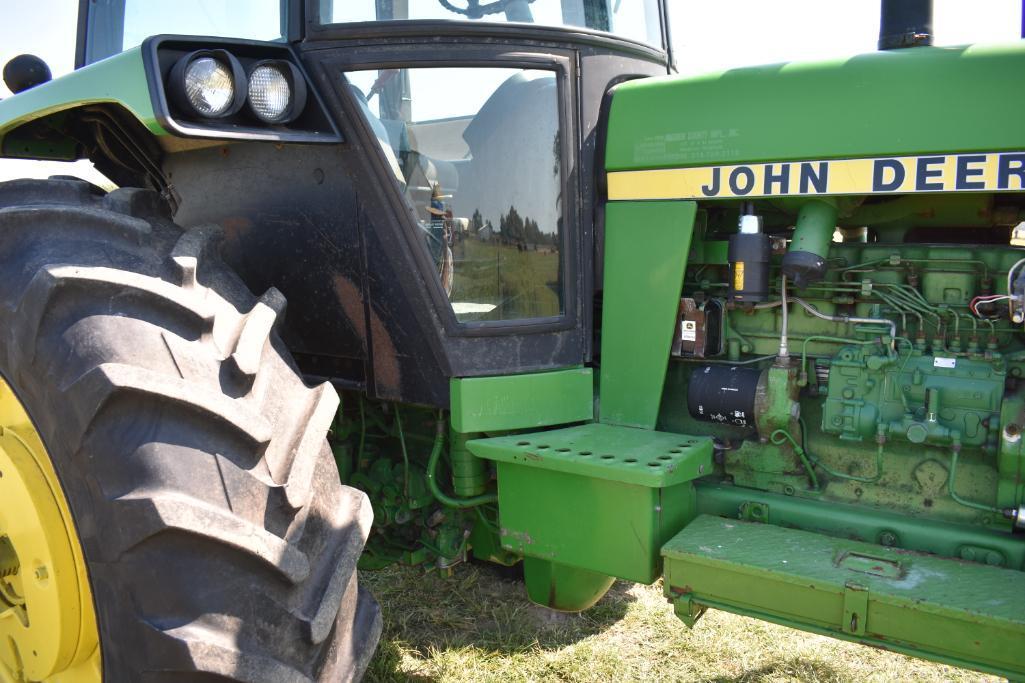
(32, 123)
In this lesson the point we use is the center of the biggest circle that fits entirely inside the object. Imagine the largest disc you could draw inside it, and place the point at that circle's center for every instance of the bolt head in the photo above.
(888, 539)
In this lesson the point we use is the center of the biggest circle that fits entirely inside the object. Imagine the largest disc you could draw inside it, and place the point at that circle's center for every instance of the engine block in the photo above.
(898, 383)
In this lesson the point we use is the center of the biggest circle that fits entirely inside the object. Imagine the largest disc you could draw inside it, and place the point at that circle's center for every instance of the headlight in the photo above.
(209, 86)
(277, 91)
(208, 83)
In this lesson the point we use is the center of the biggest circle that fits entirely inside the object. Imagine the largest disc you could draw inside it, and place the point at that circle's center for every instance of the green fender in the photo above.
(119, 80)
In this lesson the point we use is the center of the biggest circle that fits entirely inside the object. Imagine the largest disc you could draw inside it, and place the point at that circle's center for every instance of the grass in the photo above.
(479, 626)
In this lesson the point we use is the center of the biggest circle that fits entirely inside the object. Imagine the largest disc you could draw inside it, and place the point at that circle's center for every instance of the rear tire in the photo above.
(219, 542)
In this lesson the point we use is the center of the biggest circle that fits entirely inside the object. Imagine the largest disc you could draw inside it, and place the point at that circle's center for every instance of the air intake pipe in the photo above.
(805, 261)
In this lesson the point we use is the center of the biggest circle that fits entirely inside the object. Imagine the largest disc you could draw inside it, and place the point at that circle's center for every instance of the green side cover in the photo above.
(119, 80)
(646, 246)
(542, 399)
(836, 109)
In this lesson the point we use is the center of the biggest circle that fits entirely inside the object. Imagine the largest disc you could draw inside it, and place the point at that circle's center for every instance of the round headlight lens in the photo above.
(209, 86)
(270, 94)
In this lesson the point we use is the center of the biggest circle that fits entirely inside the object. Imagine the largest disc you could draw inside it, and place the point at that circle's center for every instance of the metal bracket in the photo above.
(855, 609)
(9, 563)
(687, 610)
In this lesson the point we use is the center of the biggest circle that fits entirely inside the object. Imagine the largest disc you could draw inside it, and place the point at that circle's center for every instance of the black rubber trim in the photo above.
(361, 31)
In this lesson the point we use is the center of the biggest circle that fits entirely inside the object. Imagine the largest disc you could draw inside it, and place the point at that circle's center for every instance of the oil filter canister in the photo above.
(724, 394)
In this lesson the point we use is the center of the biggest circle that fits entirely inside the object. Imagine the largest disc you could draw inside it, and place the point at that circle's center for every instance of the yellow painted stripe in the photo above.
(980, 172)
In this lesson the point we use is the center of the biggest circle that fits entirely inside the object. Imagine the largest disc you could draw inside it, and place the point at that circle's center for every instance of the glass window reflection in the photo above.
(476, 152)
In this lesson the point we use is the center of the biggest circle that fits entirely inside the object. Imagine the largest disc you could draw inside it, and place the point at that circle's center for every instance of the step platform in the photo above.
(948, 610)
(596, 497)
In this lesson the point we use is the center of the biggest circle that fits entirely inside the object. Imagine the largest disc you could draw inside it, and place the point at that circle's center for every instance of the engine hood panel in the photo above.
(900, 102)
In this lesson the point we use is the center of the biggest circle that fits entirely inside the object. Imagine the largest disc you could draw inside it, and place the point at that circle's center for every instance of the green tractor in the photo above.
(757, 333)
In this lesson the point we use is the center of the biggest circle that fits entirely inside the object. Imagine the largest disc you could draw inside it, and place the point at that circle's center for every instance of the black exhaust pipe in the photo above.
(905, 23)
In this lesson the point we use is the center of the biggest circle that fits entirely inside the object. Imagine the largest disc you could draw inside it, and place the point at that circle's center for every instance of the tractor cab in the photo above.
(460, 203)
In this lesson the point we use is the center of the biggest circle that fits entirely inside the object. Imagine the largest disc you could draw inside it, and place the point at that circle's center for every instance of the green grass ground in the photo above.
(479, 626)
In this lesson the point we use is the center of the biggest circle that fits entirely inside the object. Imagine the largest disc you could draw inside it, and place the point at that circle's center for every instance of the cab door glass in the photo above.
(476, 153)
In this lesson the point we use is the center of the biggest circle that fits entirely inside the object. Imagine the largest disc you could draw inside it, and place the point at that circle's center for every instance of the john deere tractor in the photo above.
(757, 334)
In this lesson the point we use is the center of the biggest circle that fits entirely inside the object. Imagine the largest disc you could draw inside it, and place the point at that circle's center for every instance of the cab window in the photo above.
(476, 154)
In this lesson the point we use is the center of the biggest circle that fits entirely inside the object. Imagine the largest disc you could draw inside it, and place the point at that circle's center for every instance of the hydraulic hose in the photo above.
(784, 345)
(432, 476)
(840, 475)
(813, 479)
(953, 494)
(362, 433)
(846, 318)
(405, 453)
(827, 338)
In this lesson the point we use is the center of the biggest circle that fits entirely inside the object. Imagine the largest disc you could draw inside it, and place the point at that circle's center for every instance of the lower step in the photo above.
(952, 611)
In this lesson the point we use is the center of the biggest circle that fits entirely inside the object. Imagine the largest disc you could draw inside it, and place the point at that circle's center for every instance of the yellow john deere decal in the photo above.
(993, 172)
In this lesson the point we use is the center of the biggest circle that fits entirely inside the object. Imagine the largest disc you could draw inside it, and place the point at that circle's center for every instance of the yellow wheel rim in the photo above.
(47, 621)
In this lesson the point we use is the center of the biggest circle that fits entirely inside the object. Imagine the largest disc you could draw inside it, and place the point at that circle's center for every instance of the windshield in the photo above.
(634, 19)
(116, 25)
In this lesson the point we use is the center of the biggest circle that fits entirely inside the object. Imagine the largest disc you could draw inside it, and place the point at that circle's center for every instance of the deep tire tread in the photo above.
(190, 248)
(345, 569)
(280, 527)
(309, 446)
(106, 380)
(161, 512)
(225, 660)
(256, 330)
(82, 222)
(53, 278)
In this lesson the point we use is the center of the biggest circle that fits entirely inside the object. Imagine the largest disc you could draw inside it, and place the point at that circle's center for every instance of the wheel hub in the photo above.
(47, 620)
(12, 603)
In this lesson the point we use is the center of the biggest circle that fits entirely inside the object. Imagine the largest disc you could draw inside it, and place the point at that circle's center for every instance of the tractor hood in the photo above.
(897, 103)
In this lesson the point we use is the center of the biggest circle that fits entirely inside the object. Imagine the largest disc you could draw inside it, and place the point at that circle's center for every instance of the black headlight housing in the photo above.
(167, 58)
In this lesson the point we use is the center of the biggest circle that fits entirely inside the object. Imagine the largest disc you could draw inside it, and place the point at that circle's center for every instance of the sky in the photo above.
(708, 35)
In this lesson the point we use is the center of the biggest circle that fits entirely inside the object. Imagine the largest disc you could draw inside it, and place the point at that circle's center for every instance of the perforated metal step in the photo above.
(601, 451)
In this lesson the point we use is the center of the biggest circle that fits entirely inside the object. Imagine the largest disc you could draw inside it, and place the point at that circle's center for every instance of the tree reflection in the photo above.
(508, 272)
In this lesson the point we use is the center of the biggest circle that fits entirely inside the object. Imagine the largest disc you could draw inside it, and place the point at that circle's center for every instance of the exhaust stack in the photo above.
(905, 23)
